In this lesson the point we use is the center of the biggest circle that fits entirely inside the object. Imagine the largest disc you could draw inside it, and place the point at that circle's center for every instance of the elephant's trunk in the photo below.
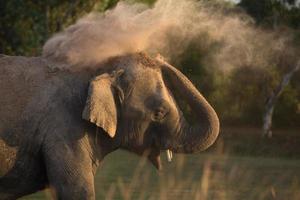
(205, 131)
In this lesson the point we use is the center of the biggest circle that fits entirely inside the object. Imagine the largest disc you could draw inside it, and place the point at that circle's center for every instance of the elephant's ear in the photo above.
(100, 107)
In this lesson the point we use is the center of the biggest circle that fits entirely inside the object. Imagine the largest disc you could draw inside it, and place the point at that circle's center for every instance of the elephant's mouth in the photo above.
(153, 155)
(154, 158)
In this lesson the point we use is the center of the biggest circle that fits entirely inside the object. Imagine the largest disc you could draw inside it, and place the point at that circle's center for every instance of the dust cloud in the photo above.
(166, 28)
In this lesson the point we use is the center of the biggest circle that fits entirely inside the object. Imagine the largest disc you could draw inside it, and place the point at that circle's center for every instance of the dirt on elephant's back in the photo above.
(7, 157)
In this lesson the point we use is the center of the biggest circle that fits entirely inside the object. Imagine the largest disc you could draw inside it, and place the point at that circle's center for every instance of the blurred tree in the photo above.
(245, 91)
(273, 98)
(243, 95)
(273, 13)
(25, 25)
(106, 4)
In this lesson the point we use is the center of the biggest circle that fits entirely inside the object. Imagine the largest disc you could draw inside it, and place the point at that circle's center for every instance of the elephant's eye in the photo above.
(159, 113)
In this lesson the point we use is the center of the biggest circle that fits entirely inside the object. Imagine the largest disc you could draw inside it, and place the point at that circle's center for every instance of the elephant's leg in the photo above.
(70, 186)
(70, 174)
(7, 193)
(7, 196)
(22, 180)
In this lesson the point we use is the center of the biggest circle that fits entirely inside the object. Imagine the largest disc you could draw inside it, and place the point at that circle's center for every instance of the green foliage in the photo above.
(149, 2)
(293, 17)
(108, 4)
(239, 95)
(287, 108)
(26, 25)
(195, 63)
(272, 12)
(244, 96)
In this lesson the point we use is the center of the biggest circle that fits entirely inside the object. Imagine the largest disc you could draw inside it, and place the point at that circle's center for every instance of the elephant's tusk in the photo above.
(169, 155)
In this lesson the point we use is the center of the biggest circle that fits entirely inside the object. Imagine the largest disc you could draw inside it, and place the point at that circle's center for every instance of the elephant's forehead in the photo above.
(148, 82)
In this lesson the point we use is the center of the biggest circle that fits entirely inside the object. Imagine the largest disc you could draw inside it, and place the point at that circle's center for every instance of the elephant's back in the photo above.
(20, 78)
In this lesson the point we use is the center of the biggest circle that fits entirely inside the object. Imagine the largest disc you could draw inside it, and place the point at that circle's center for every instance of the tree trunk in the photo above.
(269, 107)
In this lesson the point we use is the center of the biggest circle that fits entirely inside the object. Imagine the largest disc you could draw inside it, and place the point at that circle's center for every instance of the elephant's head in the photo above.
(135, 106)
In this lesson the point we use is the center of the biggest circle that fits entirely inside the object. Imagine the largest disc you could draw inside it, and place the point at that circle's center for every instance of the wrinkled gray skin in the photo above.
(56, 126)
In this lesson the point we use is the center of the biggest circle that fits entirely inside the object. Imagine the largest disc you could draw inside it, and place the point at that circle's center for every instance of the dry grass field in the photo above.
(224, 173)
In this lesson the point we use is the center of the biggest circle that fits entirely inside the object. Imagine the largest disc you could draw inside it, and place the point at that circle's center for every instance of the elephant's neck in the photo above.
(101, 145)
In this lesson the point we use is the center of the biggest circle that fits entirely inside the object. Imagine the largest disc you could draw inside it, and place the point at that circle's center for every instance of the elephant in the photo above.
(58, 124)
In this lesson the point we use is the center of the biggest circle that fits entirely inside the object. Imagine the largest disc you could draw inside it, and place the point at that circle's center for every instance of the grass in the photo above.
(226, 172)
(205, 176)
